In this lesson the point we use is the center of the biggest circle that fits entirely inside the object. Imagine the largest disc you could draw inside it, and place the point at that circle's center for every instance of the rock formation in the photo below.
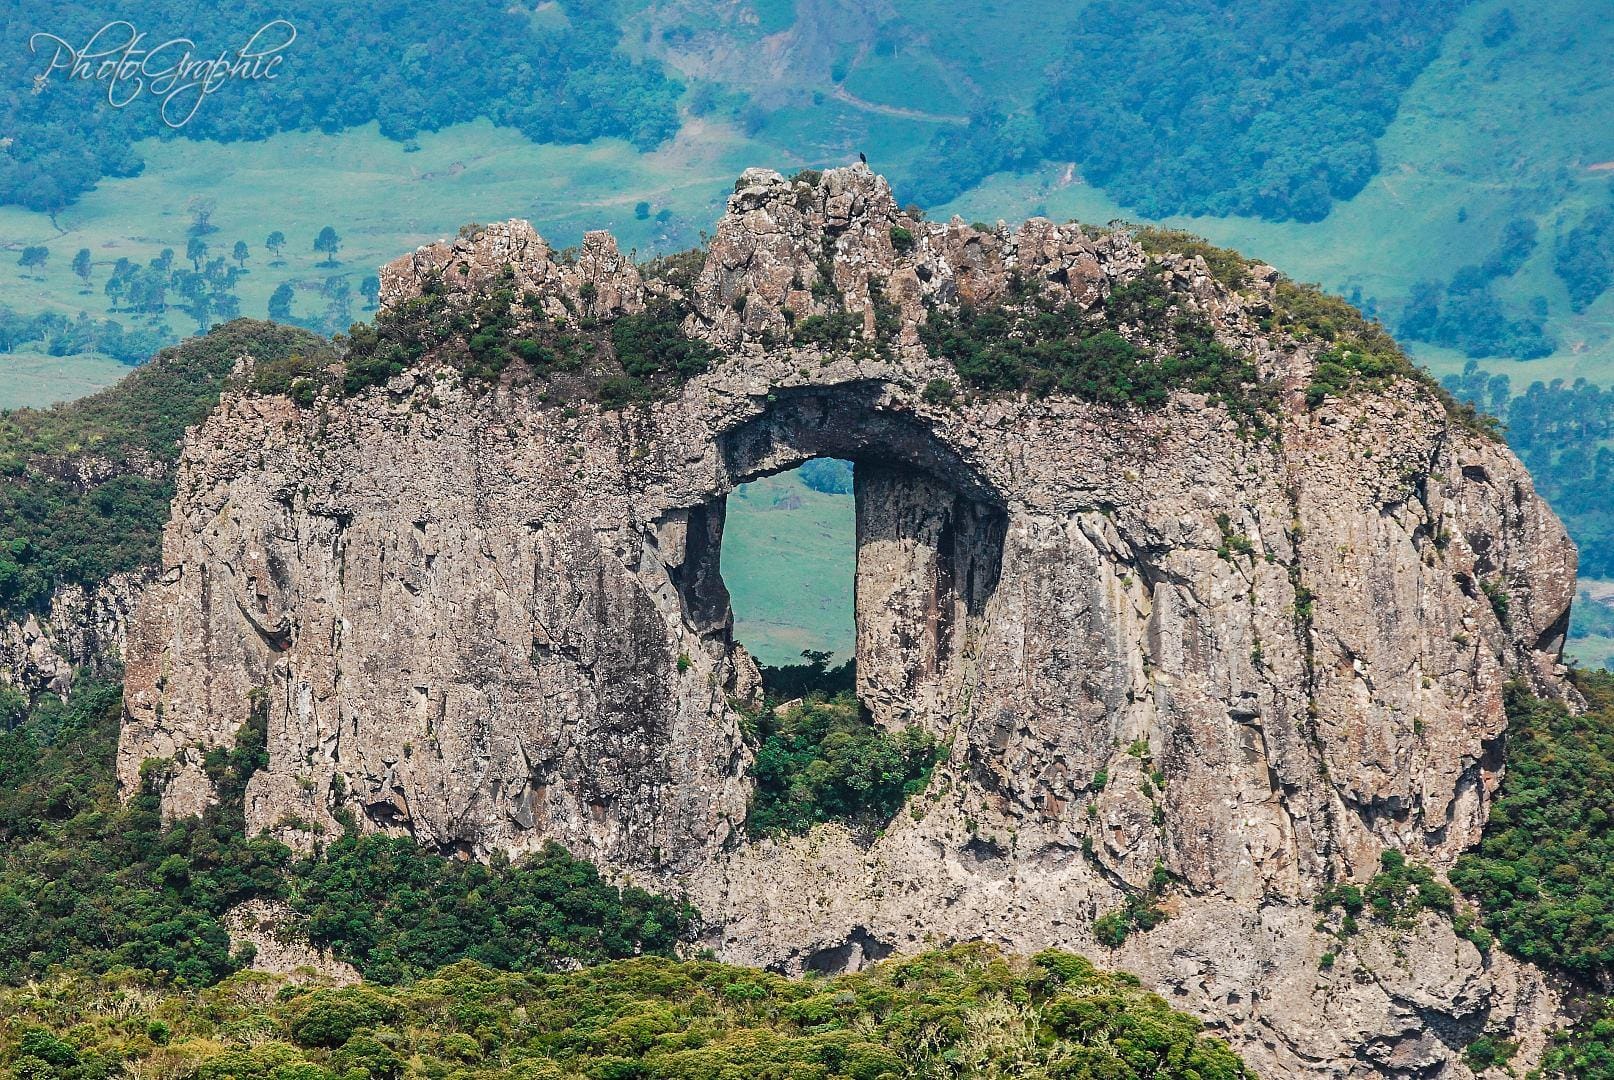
(83, 629)
(1149, 637)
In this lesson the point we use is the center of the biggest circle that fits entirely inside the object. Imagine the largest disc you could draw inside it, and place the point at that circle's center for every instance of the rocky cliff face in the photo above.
(83, 629)
(1150, 637)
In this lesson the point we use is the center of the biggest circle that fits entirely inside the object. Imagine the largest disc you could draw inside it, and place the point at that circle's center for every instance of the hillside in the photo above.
(964, 1012)
(87, 483)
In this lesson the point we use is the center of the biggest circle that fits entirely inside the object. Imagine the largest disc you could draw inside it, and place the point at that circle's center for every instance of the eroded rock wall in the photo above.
(1150, 638)
(83, 629)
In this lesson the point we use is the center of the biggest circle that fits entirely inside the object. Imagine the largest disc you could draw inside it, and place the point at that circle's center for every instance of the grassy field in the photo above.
(34, 378)
(788, 559)
(383, 201)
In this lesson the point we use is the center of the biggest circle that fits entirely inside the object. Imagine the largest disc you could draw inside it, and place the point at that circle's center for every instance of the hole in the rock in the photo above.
(885, 588)
(789, 560)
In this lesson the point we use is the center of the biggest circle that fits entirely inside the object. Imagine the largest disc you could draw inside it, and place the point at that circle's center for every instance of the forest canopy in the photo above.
(394, 63)
(1270, 108)
(967, 1011)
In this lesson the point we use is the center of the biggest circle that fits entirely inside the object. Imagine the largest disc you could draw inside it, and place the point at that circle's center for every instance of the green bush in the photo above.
(1043, 347)
(1544, 872)
(966, 1011)
(822, 760)
(487, 335)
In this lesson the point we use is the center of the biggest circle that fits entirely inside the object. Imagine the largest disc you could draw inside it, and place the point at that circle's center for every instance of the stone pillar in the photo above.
(927, 558)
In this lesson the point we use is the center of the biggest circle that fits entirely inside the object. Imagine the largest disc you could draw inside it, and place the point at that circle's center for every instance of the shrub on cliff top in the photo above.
(1134, 350)
(484, 335)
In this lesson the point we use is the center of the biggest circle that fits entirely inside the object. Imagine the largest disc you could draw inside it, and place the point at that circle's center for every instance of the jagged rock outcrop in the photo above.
(85, 628)
(1150, 637)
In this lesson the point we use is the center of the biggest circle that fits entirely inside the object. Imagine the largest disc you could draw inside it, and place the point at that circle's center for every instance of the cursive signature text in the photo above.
(172, 72)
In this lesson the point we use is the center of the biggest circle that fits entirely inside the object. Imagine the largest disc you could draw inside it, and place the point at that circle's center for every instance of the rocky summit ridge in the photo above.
(1222, 647)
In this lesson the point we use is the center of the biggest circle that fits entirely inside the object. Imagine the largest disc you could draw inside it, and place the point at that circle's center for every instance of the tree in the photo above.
(201, 210)
(199, 308)
(280, 303)
(641, 211)
(274, 242)
(339, 309)
(196, 251)
(81, 267)
(370, 289)
(33, 257)
(328, 242)
(240, 253)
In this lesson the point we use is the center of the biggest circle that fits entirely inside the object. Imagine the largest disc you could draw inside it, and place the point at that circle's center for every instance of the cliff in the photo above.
(1253, 633)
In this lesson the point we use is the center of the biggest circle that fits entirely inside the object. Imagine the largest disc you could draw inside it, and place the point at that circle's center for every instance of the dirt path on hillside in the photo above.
(842, 94)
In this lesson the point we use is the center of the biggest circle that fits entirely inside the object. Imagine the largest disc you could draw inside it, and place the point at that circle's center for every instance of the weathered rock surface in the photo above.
(279, 946)
(84, 629)
(489, 621)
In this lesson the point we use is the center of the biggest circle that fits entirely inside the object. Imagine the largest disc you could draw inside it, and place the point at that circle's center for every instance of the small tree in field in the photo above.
(33, 257)
(280, 303)
(329, 243)
(81, 267)
(240, 253)
(274, 242)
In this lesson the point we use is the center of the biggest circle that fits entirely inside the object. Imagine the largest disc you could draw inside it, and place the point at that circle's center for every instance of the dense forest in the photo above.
(400, 64)
(1269, 108)
(967, 1011)
(1544, 873)
(96, 885)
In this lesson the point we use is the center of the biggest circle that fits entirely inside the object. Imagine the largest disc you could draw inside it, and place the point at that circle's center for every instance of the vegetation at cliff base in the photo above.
(93, 885)
(820, 759)
(117, 964)
(85, 486)
(1543, 874)
(964, 1012)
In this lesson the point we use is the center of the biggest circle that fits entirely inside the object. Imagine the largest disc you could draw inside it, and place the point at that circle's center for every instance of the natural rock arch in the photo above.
(1152, 638)
(928, 537)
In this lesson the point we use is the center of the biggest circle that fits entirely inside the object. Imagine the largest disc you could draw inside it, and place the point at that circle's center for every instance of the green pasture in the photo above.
(789, 554)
